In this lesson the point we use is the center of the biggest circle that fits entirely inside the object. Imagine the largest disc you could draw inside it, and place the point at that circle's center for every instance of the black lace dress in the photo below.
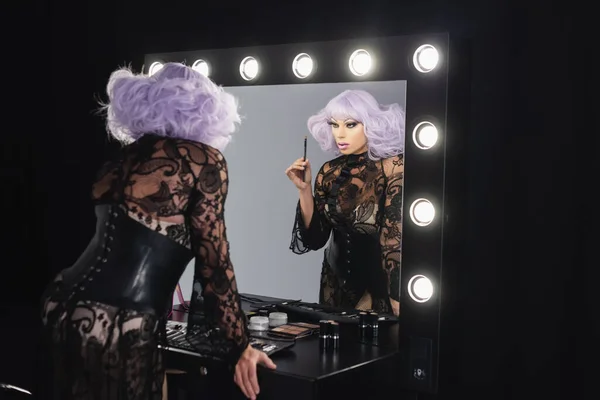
(159, 204)
(358, 203)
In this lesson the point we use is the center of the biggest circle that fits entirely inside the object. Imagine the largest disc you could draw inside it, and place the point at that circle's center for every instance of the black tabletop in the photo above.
(305, 360)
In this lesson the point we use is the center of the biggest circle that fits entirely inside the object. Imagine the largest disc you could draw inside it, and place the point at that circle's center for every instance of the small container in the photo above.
(277, 319)
(363, 324)
(259, 324)
(374, 324)
(334, 333)
(323, 334)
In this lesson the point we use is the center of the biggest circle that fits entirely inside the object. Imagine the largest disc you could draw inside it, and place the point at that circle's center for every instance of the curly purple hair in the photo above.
(383, 124)
(177, 102)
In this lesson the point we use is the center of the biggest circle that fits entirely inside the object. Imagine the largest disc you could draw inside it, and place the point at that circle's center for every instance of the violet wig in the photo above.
(383, 124)
(176, 102)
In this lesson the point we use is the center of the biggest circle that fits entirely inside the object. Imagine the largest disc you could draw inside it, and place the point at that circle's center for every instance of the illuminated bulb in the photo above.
(426, 58)
(360, 62)
(302, 65)
(201, 66)
(249, 68)
(422, 212)
(154, 68)
(425, 135)
(420, 288)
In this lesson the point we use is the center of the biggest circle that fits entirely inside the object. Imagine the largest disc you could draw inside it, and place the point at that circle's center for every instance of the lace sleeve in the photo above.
(209, 241)
(317, 234)
(391, 227)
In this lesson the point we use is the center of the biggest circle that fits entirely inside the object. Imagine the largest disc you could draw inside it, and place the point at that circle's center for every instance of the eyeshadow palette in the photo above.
(294, 330)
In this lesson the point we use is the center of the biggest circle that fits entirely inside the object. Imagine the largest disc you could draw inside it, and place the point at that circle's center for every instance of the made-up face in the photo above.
(349, 135)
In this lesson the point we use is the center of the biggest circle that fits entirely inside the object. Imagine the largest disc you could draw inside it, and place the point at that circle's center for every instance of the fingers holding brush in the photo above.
(299, 173)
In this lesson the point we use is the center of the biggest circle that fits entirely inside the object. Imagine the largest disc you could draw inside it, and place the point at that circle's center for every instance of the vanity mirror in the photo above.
(280, 88)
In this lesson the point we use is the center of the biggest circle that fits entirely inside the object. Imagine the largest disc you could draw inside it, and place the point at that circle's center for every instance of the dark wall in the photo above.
(521, 154)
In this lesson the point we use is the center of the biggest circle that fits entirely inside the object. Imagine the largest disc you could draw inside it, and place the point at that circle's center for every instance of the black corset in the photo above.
(356, 259)
(127, 264)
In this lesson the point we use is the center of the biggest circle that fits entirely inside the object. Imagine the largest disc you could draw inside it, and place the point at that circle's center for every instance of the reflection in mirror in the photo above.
(334, 237)
(355, 202)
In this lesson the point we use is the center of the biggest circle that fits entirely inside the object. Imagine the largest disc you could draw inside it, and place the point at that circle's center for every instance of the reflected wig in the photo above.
(383, 124)
(176, 102)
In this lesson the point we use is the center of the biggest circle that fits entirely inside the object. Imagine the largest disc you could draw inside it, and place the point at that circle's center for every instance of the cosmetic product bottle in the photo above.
(363, 324)
(334, 333)
(374, 324)
(323, 334)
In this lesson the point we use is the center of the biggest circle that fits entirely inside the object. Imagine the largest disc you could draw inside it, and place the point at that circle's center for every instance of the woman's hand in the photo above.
(245, 371)
(300, 174)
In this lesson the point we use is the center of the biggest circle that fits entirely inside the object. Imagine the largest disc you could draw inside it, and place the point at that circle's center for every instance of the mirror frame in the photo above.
(425, 170)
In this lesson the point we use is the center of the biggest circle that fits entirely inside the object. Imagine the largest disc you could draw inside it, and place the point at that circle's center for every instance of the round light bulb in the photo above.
(360, 62)
(425, 135)
(302, 65)
(201, 66)
(249, 68)
(420, 288)
(426, 58)
(422, 212)
(154, 68)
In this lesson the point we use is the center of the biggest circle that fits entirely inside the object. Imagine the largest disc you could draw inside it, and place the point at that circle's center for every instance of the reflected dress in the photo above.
(159, 204)
(358, 203)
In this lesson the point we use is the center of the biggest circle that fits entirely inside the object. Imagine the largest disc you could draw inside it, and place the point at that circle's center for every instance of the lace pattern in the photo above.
(177, 188)
(101, 351)
(358, 195)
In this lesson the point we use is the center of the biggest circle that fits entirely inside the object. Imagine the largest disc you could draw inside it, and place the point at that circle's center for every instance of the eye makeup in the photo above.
(349, 123)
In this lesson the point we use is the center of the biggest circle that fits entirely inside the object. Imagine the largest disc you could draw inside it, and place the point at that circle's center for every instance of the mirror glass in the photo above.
(261, 206)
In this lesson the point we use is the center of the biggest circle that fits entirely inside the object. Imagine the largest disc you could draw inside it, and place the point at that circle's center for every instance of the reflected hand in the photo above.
(245, 371)
(395, 307)
(295, 173)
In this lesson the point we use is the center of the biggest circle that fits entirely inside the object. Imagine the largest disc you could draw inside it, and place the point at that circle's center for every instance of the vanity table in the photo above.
(304, 372)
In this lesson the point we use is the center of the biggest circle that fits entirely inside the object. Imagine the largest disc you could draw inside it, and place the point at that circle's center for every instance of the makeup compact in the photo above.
(296, 330)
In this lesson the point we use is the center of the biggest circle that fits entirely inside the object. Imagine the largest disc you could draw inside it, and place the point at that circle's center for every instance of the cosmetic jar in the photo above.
(277, 319)
(259, 324)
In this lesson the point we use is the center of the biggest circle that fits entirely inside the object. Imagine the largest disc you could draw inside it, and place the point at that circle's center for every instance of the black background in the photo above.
(524, 327)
